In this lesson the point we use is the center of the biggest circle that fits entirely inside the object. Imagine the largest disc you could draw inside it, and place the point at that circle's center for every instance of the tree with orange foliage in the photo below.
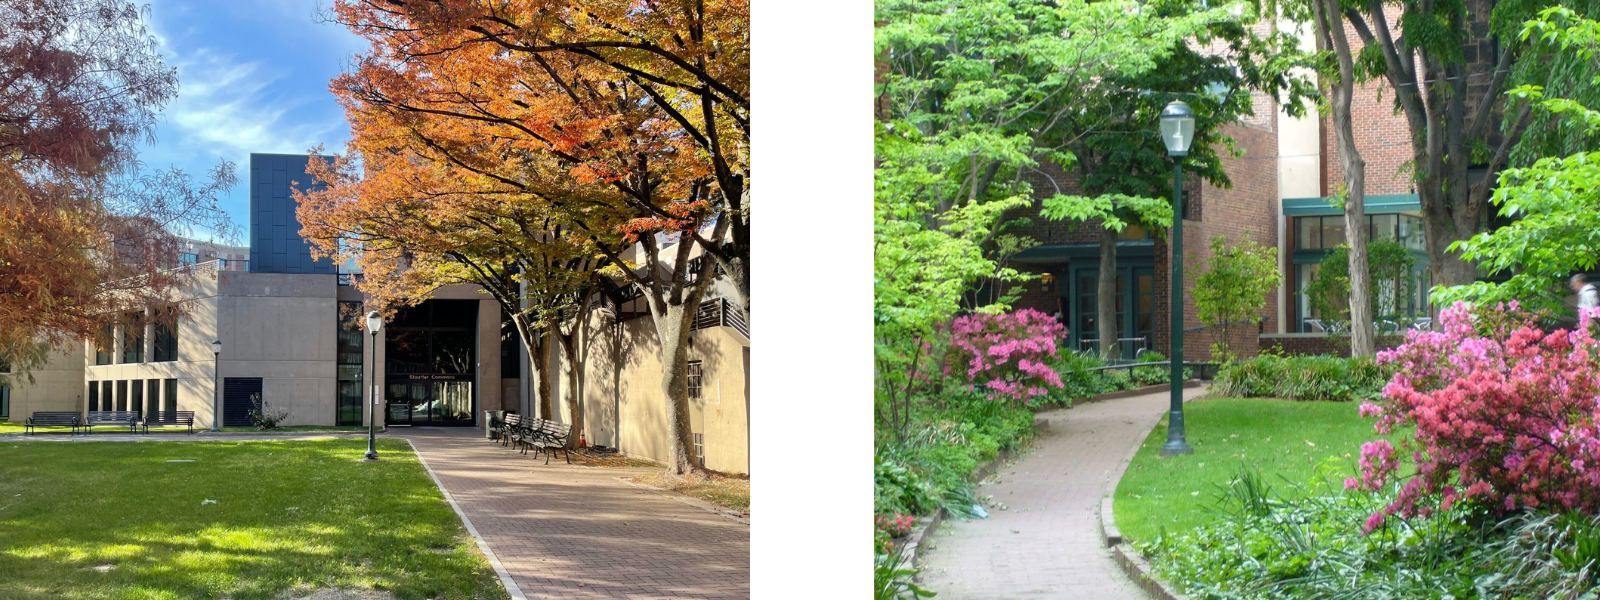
(606, 122)
(85, 232)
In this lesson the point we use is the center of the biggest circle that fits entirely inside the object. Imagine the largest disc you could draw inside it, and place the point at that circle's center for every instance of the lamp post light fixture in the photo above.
(1177, 132)
(216, 387)
(374, 323)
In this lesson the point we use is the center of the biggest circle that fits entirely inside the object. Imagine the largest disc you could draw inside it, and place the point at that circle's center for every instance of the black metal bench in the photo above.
(552, 437)
(120, 418)
(524, 432)
(52, 419)
(499, 429)
(168, 418)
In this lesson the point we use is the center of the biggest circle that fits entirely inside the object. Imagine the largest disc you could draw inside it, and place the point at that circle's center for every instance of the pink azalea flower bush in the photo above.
(1505, 415)
(1009, 354)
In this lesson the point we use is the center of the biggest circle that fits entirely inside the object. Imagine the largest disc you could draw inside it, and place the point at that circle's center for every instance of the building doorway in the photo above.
(431, 363)
(424, 402)
(1135, 316)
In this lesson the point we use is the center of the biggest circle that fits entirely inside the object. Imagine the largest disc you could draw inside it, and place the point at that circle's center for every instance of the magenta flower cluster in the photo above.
(1505, 415)
(1009, 354)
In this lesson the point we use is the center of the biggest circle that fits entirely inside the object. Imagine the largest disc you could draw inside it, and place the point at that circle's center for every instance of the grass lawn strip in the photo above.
(1298, 442)
(246, 519)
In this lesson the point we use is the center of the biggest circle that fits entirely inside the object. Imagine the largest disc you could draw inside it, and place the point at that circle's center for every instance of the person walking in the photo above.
(1588, 296)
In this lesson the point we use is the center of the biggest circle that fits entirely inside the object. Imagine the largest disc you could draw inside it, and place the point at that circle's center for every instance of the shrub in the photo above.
(1505, 418)
(1264, 546)
(933, 464)
(1008, 354)
(1317, 378)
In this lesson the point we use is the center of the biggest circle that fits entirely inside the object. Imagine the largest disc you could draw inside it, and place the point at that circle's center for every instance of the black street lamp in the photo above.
(1177, 132)
(374, 323)
(216, 385)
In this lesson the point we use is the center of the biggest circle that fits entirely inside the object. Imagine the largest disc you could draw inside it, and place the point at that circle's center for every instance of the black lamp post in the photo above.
(374, 323)
(216, 387)
(1177, 132)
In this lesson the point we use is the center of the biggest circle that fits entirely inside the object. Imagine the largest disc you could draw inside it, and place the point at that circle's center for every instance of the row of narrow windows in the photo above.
(143, 395)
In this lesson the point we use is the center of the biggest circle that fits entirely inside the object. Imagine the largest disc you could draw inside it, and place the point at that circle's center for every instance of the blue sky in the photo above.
(253, 77)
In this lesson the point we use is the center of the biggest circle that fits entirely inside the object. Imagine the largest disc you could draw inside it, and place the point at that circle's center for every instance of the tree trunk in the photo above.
(539, 358)
(574, 395)
(1331, 29)
(1106, 295)
(673, 329)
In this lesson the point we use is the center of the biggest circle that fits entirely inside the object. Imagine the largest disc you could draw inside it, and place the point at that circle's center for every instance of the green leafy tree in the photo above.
(1555, 201)
(1452, 101)
(1121, 159)
(1232, 289)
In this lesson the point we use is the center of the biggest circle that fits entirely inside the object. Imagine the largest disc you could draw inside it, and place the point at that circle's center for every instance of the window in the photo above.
(352, 339)
(122, 394)
(133, 339)
(105, 395)
(169, 398)
(165, 334)
(102, 345)
(94, 395)
(152, 396)
(510, 349)
(1325, 232)
(700, 448)
(137, 404)
(694, 380)
(222, 264)
(188, 258)
(5, 401)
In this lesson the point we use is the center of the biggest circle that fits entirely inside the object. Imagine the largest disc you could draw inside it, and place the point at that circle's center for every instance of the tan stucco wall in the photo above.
(58, 385)
(626, 407)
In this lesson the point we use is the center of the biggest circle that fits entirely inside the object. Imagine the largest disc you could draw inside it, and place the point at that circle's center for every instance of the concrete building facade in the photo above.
(293, 340)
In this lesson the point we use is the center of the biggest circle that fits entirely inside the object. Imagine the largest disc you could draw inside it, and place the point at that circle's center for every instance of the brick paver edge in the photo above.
(494, 561)
(1137, 568)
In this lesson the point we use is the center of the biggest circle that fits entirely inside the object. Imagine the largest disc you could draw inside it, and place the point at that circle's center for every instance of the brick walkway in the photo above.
(570, 531)
(1048, 544)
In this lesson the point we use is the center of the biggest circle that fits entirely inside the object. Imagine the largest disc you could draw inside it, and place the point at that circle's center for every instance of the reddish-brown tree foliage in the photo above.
(85, 233)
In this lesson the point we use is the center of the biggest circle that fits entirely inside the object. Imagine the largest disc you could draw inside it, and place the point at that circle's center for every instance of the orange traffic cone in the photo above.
(583, 439)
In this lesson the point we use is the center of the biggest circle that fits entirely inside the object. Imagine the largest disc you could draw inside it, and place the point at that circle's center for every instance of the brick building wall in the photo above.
(1248, 209)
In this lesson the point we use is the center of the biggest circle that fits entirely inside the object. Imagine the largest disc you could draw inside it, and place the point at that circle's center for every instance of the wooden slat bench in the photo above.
(525, 432)
(169, 418)
(552, 437)
(500, 429)
(121, 418)
(52, 419)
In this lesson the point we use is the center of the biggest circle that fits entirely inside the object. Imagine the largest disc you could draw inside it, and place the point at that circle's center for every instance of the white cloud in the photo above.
(231, 106)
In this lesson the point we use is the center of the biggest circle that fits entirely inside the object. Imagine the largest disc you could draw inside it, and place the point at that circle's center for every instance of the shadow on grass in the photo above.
(246, 519)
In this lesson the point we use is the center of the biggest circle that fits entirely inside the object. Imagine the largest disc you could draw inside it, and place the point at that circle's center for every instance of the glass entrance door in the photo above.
(430, 403)
(1135, 296)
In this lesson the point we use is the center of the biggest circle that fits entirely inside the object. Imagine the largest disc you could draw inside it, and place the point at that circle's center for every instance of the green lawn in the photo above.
(19, 426)
(302, 428)
(245, 519)
(1279, 438)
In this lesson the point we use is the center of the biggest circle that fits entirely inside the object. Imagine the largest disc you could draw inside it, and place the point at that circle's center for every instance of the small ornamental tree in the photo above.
(1009, 354)
(1233, 288)
(1505, 416)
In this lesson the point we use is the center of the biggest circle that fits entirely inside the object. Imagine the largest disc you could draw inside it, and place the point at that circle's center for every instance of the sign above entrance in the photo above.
(435, 377)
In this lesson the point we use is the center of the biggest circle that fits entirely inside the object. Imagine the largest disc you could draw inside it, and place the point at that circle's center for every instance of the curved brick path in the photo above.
(569, 531)
(1048, 544)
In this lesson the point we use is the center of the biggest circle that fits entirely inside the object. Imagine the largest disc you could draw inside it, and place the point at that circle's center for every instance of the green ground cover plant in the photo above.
(1315, 378)
(1288, 441)
(933, 465)
(245, 519)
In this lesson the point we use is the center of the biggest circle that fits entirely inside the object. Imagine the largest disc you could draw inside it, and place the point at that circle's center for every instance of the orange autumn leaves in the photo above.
(603, 117)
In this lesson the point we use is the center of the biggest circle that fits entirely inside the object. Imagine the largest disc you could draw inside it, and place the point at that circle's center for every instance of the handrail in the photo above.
(1200, 368)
